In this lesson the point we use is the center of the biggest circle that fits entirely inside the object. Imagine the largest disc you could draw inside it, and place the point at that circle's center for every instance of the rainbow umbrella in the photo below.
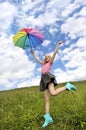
(28, 38)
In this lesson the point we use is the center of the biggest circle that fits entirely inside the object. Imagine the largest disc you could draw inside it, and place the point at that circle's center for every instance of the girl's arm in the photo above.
(36, 57)
(56, 50)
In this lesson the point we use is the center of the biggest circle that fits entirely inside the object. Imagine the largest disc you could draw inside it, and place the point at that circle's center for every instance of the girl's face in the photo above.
(47, 58)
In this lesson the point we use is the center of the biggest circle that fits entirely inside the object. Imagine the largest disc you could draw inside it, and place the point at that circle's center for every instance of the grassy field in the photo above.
(23, 109)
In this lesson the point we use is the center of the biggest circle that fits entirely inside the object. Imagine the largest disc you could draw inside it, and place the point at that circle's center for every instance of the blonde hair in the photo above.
(47, 55)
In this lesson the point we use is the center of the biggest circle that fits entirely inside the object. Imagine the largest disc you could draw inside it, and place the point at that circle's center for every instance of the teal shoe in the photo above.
(48, 120)
(69, 86)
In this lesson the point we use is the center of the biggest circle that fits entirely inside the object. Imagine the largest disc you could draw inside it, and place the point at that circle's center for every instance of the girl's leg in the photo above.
(47, 117)
(47, 101)
(57, 91)
(68, 87)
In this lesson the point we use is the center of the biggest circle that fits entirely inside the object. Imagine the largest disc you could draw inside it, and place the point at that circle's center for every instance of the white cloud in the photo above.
(74, 27)
(74, 60)
(70, 75)
(46, 43)
(7, 12)
(67, 10)
(83, 11)
(81, 43)
(34, 81)
(15, 65)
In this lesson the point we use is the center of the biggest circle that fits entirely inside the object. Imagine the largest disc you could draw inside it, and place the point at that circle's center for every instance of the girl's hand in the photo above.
(32, 51)
(61, 42)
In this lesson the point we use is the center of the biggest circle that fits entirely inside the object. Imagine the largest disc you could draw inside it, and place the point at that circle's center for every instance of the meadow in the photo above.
(23, 109)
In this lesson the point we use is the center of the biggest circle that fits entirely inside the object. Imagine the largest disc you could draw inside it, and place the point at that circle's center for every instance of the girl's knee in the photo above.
(52, 89)
(53, 93)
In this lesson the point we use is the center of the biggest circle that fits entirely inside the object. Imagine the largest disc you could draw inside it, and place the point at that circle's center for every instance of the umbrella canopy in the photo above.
(28, 38)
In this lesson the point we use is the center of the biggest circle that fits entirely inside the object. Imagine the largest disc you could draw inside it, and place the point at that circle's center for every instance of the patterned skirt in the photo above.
(46, 79)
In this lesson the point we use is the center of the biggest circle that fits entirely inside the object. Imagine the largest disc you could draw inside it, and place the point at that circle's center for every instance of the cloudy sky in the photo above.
(57, 20)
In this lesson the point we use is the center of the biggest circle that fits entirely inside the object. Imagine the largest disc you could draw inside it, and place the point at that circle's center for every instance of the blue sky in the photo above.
(57, 20)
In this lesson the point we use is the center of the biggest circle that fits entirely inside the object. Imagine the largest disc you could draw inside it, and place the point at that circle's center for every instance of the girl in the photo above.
(48, 83)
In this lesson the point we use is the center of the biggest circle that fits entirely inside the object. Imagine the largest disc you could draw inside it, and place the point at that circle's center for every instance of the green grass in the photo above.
(23, 109)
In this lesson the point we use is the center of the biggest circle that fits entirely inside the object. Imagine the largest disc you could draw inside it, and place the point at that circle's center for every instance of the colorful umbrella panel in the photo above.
(28, 38)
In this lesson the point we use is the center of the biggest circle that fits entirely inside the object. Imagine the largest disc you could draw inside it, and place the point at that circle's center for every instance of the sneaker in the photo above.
(69, 86)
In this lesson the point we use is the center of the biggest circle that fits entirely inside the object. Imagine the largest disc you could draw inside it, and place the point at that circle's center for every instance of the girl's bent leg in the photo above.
(53, 91)
(68, 87)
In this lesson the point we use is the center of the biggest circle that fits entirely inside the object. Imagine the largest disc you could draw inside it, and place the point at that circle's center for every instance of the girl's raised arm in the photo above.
(56, 50)
(36, 57)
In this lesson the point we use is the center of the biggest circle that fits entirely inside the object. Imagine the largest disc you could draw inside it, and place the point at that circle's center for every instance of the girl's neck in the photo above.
(46, 62)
